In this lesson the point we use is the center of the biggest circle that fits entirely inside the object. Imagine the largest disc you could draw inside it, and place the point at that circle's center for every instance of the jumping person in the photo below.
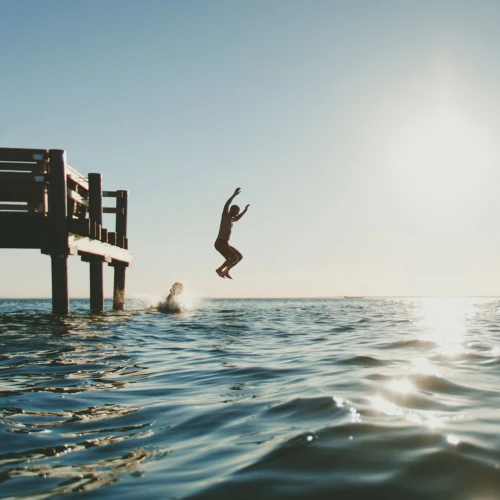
(232, 256)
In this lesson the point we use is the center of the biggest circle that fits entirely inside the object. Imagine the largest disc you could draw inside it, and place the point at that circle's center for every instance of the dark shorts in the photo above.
(223, 247)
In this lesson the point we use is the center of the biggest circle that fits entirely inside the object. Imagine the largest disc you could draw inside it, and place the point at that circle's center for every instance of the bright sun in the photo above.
(443, 159)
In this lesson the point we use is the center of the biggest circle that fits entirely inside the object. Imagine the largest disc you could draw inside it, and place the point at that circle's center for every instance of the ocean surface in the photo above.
(252, 399)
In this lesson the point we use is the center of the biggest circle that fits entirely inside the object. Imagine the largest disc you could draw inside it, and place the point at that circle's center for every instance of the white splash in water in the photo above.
(143, 301)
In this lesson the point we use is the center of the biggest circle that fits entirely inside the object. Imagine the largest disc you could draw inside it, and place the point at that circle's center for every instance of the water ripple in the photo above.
(309, 399)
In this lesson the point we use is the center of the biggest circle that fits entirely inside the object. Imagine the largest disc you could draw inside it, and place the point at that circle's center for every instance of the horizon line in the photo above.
(299, 297)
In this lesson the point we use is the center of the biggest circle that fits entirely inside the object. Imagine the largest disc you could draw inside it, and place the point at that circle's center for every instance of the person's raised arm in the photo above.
(239, 216)
(225, 210)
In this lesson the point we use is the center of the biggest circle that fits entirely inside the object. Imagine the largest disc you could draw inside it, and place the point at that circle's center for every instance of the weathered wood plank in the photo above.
(77, 197)
(21, 154)
(13, 206)
(88, 257)
(112, 210)
(19, 178)
(110, 194)
(32, 193)
(23, 167)
(77, 177)
(96, 247)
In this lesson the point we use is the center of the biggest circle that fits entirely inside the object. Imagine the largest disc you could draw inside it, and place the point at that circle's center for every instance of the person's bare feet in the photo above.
(220, 273)
(227, 275)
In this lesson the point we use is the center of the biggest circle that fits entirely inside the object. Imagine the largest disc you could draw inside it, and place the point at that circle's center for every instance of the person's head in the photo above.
(234, 210)
(176, 289)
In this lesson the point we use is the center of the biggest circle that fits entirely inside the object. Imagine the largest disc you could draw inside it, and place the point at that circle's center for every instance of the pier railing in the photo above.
(45, 204)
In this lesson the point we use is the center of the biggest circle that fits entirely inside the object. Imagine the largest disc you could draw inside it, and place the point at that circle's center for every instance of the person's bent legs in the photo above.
(236, 260)
(228, 253)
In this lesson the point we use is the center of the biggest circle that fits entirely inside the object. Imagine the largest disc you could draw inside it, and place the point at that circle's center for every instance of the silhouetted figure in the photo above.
(232, 256)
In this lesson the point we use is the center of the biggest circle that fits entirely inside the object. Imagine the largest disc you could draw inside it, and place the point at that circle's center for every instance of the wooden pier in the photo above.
(45, 204)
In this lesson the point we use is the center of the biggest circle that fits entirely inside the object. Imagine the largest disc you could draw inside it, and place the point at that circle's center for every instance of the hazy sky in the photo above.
(364, 134)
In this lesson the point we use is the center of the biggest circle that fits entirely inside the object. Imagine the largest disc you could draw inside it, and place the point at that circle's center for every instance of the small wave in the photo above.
(440, 385)
(401, 344)
(362, 361)
(341, 329)
(302, 407)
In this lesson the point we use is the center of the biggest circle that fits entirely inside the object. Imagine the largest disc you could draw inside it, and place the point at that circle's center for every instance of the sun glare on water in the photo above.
(443, 321)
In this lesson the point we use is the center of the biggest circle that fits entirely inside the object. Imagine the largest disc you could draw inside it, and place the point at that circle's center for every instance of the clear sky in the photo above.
(364, 135)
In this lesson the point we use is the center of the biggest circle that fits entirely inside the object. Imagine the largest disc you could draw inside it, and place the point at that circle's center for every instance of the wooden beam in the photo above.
(23, 167)
(95, 247)
(12, 206)
(113, 210)
(20, 178)
(23, 155)
(73, 195)
(22, 192)
(88, 257)
(77, 177)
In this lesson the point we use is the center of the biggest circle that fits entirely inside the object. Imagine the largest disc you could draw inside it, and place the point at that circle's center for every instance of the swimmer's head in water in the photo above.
(234, 210)
(176, 289)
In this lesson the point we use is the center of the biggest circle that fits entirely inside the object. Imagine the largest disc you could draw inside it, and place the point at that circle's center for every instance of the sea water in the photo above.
(252, 399)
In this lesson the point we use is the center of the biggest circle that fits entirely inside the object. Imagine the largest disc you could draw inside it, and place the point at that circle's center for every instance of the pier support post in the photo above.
(95, 265)
(121, 241)
(96, 286)
(60, 297)
(59, 231)
(119, 287)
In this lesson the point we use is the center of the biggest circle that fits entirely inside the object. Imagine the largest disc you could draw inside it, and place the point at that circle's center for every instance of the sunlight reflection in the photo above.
(402, 386)
(414, 418)
(422, 366)
(355, 416)
(430, 420)
(338, 401)
(444, 321)
(385, 406)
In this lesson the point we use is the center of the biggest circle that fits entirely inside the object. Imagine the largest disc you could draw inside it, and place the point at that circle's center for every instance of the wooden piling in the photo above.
(119, 287)
(121, 241)
(95, 264)
(59, 231)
